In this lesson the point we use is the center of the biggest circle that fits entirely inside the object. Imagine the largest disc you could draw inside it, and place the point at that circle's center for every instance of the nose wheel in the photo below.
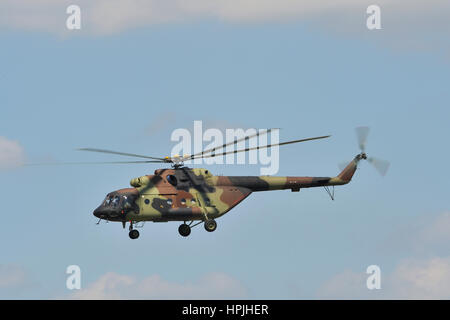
(134, 234)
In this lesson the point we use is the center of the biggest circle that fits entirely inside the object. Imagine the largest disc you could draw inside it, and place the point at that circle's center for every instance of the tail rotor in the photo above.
(380, 165)
(361, 134)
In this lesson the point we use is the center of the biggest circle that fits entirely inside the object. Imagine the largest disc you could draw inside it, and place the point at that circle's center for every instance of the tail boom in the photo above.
(265, 183)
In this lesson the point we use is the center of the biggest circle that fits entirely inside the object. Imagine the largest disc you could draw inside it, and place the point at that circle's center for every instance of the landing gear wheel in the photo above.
(210, 225)
(134, 234)
(184, 230)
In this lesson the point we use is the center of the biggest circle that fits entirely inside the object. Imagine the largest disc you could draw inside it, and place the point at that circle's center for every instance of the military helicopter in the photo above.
(194, 196)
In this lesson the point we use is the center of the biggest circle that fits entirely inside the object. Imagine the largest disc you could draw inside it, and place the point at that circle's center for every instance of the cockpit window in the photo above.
(107, 201)
(115, 201)
(111, 201)
(119, 201)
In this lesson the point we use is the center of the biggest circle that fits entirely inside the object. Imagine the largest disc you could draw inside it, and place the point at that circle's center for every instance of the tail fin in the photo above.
(347, 173)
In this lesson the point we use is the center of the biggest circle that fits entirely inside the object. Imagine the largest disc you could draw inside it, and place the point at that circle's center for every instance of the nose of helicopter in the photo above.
(105, 213)
(97, 212)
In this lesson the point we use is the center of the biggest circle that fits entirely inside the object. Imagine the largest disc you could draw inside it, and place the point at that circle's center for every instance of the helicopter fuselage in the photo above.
(186, 194)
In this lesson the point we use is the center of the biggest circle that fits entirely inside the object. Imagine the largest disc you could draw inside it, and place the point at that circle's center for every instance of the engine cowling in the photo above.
(139, 182)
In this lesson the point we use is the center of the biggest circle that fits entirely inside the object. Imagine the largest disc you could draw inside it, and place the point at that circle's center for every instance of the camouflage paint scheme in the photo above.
(199, 195)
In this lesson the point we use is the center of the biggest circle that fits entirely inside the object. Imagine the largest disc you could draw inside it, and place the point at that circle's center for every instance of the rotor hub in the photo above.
(361, 156)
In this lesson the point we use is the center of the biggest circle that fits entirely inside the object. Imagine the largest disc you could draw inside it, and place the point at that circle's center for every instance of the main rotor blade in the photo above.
(257, 134)
(89, 163)
(257, 148)
(120, 153)
(382, 166)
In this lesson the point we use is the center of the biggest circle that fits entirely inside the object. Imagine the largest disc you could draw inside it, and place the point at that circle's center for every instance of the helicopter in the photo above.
(195, 196)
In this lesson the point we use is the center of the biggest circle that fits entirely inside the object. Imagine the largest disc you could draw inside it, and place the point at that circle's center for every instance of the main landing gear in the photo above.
(185, 229)
(210, 225)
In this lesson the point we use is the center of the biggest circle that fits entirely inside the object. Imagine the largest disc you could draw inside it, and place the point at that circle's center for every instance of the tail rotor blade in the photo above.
(361, 134)
(382, 166)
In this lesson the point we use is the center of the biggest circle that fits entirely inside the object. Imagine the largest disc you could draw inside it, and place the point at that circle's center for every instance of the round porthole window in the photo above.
(147, 201)
(183, 202)
(192, 201)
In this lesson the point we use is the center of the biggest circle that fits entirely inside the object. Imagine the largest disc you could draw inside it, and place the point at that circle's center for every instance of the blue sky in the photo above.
(129, 88)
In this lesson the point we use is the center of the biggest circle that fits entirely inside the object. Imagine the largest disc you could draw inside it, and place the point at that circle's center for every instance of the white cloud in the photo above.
(110, 16)
(424, 275)
(160, 122)
(11, 154)
(421, 279)
(437, 231)
(411, 279)
(12, 277)
(345, 285)
(417, 25)
(425, 235)
(115, 286)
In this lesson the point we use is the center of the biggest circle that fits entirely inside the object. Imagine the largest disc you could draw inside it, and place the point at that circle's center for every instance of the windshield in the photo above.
(115, 201)
(111, 201)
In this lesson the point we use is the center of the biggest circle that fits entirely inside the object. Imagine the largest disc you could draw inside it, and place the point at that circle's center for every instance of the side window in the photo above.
(172, 180)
